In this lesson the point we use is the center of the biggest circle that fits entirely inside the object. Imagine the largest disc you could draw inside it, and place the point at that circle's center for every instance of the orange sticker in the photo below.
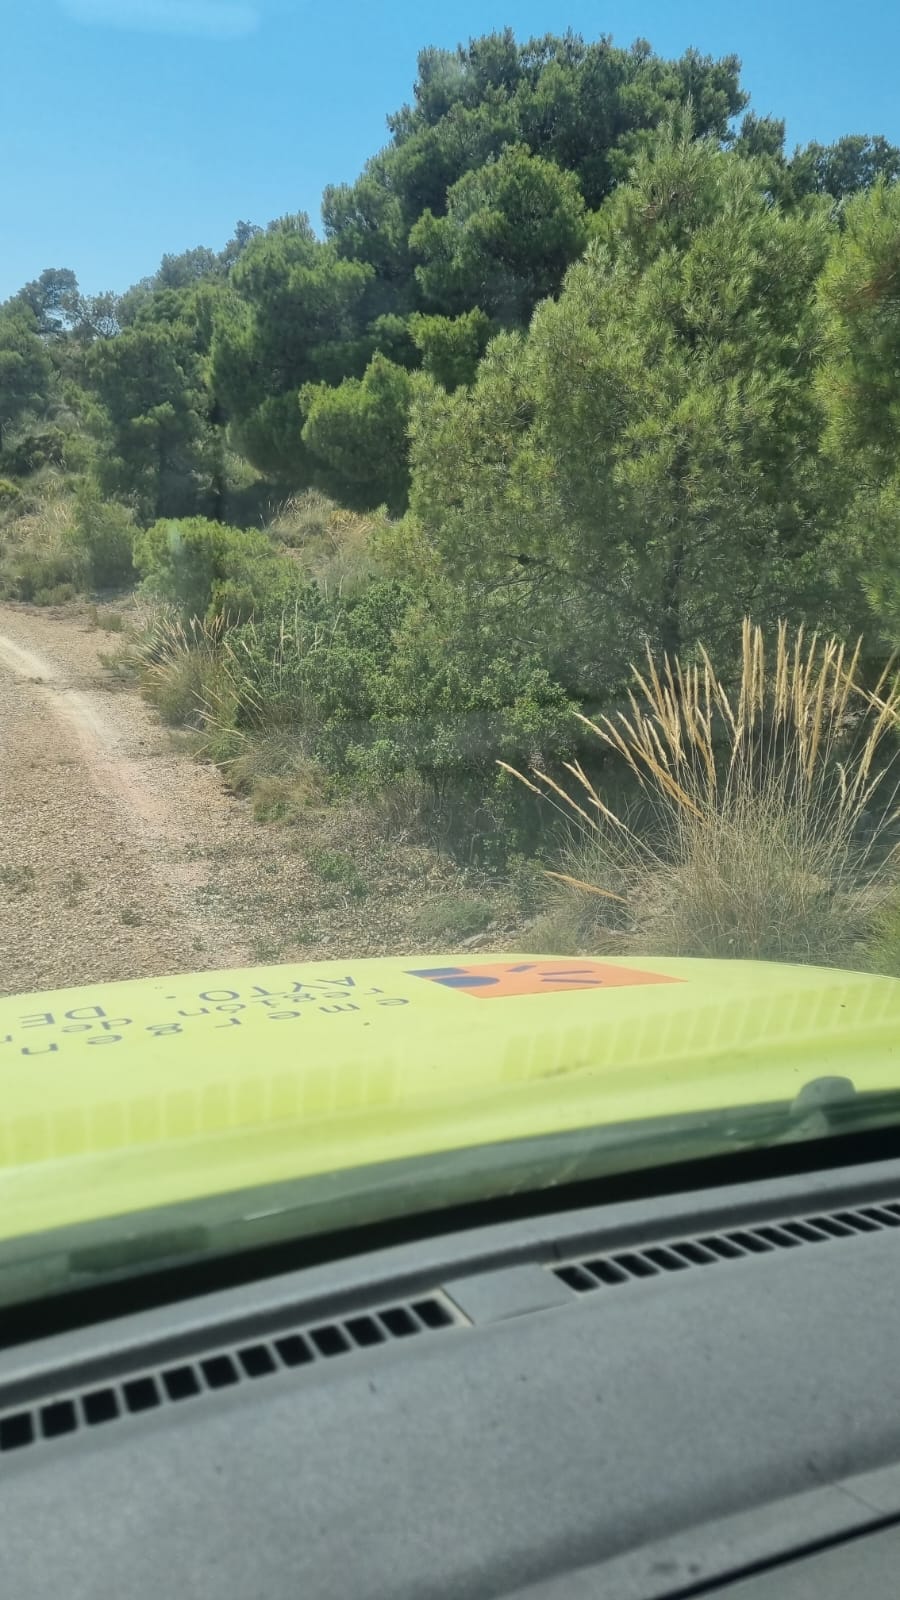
(497, 980)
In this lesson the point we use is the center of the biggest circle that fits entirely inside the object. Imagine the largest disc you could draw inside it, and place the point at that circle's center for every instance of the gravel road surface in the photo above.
(107, 833)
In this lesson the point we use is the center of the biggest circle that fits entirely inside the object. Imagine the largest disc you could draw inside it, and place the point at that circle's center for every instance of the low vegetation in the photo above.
(765, 819)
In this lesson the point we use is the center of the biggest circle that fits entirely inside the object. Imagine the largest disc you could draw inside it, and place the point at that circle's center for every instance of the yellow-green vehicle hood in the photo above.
(126, 1096)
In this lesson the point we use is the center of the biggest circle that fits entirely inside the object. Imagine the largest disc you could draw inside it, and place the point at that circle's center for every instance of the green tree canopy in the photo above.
(357, 432)
(859, 296)
(860, 299)
(511, 229)
(293, 313)
(581, 279)
(643, 465)
(587, 107)
(365, 220)
(150, 383)
(49, 297)
(844, 168)
(25, 368)
(451, 347)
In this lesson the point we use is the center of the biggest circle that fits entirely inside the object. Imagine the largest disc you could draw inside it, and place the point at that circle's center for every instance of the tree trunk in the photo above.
(217, 481)
(160, 478)
(670, 601)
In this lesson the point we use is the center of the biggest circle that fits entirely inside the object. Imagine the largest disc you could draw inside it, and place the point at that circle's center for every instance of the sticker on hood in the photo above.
(498, 980)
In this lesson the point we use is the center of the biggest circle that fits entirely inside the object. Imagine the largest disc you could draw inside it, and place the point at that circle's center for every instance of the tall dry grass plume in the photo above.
(765, 821)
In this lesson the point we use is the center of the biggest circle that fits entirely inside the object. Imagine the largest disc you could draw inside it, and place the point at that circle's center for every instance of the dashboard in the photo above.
(694, 1393)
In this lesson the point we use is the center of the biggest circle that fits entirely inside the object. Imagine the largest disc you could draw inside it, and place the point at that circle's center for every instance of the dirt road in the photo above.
(122, 857)
(105, 830)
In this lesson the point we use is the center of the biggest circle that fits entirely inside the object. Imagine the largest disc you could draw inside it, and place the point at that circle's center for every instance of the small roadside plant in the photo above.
(454, 917)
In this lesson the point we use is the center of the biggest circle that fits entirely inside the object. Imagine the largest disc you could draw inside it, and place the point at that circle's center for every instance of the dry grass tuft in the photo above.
(767, 817)
(329, 543)
(243, 695)
(37, 560)
(181, 666)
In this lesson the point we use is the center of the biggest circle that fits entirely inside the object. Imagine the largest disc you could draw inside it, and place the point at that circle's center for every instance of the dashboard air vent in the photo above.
(221, 1369)
(736, 1244)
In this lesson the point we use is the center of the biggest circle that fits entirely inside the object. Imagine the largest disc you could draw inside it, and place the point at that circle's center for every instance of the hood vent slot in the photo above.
(223, 1369)
(737, 1244)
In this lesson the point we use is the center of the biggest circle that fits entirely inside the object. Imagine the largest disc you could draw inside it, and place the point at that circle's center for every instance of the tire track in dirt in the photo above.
(103, 746)
(106, 832)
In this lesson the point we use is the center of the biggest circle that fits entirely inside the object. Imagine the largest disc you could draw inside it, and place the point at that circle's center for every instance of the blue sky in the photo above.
(133, 127)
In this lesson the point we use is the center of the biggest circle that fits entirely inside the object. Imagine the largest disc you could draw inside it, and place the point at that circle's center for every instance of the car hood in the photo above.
(118, 1097)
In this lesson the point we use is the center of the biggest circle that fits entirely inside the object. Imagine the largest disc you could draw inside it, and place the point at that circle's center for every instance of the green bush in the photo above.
(385, 690)
(208, 569)
(401, 699)
(10, 497)
(35, 576)
(443, 694)
(80, 453)
(33, 449)
(102, 535)
(333, 866)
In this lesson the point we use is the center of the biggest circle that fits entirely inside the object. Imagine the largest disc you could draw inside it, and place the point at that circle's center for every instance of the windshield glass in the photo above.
(481, 562)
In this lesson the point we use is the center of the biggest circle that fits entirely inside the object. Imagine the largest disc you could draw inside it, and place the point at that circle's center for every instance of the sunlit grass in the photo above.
(766, 822)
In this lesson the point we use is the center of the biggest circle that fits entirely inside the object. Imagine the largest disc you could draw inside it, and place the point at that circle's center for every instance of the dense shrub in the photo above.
(386, 690)
(206, 568)
(101, 536)
(33, 449)
(391, 696)
(453, 693)
(47, 578)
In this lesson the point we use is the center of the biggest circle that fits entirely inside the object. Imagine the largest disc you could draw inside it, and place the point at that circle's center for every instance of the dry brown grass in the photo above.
(330, 544)
(37, 559)
(44, 528)
(767, 817)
